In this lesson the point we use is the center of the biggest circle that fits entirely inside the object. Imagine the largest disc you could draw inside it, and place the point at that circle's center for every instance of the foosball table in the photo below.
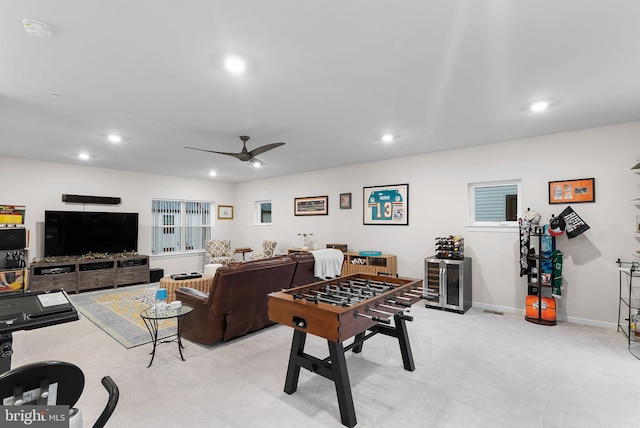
(359, 306)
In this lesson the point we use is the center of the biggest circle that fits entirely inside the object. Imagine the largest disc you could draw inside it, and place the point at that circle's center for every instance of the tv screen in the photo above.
(74, 233)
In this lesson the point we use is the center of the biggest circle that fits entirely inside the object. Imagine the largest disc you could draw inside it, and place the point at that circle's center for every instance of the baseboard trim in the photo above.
(564, 318)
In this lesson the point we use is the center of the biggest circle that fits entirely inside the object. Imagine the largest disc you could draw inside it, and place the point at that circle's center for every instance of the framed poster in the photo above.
(12, 214)
(311, 205)
(386, 205)
(345, 201)
(225, 212)
(572, 191)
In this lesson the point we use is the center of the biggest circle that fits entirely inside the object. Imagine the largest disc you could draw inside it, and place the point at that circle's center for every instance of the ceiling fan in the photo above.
(245, 155)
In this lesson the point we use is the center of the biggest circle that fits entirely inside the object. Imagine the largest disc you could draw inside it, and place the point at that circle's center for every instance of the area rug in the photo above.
(117, 313)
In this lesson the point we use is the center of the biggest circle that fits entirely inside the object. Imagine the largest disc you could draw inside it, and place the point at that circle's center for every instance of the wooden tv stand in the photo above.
(80, 275)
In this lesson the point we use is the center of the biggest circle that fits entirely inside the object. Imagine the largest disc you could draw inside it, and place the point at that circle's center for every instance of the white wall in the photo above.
(39, 186)
(438, 206)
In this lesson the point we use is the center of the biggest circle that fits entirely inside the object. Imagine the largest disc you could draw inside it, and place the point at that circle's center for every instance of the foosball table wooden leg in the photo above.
(293, 370)
(405, 345)
(340, 377)
(333, 368)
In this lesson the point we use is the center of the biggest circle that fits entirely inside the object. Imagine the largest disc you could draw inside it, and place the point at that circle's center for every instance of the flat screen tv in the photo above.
(74, 233)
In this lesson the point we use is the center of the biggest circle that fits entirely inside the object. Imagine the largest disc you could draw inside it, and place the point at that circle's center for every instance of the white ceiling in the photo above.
(326, 77)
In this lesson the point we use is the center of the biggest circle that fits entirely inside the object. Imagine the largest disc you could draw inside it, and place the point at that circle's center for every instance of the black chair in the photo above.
(16, 384)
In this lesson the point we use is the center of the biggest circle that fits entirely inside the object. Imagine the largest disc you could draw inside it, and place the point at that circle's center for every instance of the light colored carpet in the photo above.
(472, 370)
(117, 313)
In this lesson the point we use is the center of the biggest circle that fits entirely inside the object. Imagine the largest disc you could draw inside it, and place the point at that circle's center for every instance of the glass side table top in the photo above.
(152, 314)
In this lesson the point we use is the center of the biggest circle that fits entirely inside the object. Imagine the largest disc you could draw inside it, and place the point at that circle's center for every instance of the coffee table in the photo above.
(202, 284)
(151, 319)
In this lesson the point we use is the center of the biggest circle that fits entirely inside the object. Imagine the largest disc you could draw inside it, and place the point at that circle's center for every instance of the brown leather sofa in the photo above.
(304, 273)
(237, 301)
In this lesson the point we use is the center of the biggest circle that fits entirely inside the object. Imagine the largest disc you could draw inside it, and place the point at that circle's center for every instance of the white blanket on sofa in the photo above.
(328, 263)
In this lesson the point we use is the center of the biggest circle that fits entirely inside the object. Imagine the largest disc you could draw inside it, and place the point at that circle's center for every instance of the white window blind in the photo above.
(180, 226)
(492, 202)
(494, 206)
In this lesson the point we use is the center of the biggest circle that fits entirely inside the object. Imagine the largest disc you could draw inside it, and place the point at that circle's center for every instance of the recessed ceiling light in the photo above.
(539, 106)
(84, 156)
(387, 138)
(235, 65)
(114, 138)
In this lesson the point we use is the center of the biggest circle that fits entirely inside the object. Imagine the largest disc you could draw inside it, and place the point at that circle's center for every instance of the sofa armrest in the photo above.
(191, 295)
(203, 325)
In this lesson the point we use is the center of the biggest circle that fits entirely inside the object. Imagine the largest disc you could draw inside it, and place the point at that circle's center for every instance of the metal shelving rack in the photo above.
(536, 285)
(628, 303)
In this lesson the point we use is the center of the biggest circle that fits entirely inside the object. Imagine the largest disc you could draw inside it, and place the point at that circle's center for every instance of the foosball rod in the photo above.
(372, 318)
(367, 309)
(327, 299)
(372, 285)
(405, 304)
(400, 314)
(348, 293)
(338, 300)
(357, 290)
(382, 305)
(369, 285)
(331, 295)
(374, 291)
(412, 294)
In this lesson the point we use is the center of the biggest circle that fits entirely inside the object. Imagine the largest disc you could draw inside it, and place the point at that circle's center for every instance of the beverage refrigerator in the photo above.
(448, 284)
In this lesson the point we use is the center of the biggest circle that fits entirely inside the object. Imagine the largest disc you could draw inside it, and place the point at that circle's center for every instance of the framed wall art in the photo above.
(225, 212)
(572, 191)
(311, 205)
(386, 205)
(345, 201)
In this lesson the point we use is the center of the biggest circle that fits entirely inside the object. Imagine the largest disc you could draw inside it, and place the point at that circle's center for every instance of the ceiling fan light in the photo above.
(114, 138)
(387, 138)
(257, 163)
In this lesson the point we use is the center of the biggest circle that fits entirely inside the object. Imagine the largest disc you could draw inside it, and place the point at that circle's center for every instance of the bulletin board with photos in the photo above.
(13, 248)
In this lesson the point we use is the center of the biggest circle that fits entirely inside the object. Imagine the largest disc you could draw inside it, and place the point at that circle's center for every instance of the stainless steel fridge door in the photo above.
(433, 280)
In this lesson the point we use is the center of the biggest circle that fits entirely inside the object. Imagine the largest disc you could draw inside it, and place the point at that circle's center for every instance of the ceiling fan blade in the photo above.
(262, 149)
(235, 155)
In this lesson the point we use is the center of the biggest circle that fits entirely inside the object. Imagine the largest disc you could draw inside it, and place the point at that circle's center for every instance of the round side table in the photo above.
(152, 317)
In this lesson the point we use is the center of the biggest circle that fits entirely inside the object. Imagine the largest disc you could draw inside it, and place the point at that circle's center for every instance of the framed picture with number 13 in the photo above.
(386, 205)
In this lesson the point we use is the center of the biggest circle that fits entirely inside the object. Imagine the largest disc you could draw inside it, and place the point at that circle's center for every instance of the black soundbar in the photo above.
(84, 199)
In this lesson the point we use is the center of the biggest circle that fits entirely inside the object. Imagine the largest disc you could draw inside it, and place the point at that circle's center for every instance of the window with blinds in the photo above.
(180, 226)
(494, 204)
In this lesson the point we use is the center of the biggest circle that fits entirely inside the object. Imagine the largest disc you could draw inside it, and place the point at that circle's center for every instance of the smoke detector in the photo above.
(37, 28)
